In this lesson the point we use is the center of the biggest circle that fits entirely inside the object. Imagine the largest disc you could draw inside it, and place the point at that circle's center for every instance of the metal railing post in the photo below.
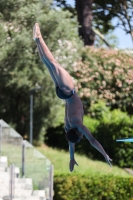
(23, 158)
(31, 117)
(51, 182)
(12, 182)
(0, 139)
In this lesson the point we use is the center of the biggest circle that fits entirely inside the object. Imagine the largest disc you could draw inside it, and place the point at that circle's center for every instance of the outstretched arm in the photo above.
(94, 142)
(72, 159)
(71, 150)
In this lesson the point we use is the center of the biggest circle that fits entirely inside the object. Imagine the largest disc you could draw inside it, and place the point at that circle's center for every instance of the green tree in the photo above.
(121, 10)
(20, 66)
(102, 11)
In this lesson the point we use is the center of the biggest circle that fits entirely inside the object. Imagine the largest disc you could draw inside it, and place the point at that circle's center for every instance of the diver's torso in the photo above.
(75, 110)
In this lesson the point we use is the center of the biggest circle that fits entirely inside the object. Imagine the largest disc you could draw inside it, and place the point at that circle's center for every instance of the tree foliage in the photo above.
(121, 10)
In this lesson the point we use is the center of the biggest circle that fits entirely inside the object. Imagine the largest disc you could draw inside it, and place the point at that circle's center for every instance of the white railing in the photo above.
(31, 162)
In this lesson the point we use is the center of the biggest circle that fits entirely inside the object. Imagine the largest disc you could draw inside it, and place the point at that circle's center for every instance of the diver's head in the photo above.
(73, 135)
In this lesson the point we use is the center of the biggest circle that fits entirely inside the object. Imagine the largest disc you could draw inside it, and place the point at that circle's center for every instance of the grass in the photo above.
(60, 160)
(37, 168)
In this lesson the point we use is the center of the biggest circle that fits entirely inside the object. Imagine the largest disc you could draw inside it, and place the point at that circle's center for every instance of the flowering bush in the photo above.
(105, 75)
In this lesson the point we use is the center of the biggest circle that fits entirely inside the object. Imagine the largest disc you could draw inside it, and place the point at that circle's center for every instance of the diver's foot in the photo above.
(36, 31)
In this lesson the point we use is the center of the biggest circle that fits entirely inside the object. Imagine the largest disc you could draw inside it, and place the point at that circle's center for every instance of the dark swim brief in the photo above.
(61, 95)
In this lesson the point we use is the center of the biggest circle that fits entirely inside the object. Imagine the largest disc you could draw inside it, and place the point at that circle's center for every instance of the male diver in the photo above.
(64, 87)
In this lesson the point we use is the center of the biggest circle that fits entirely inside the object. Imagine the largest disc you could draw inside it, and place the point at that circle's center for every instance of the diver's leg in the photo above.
(50, 71)
(63, 78)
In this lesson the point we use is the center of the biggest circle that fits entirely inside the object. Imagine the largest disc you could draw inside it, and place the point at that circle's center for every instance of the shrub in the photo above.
(105, 75)
(92, 187)
(111, 125)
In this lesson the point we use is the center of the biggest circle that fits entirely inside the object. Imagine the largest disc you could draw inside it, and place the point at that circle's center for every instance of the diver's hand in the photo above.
(108, 159)
(71, 164)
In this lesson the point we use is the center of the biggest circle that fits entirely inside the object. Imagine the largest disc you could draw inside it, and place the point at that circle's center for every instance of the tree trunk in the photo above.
(84, 12)
(132, 35)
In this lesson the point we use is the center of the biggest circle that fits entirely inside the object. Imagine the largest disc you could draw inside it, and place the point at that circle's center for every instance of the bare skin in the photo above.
(74, 108)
